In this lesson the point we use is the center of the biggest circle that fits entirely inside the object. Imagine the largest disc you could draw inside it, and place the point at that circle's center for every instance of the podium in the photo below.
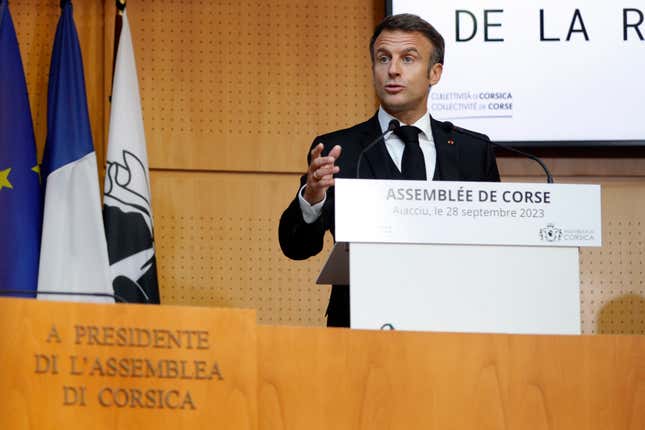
(108, 366)
(463, 256)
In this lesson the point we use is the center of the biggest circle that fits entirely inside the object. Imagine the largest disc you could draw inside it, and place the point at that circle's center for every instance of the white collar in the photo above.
(422, 123)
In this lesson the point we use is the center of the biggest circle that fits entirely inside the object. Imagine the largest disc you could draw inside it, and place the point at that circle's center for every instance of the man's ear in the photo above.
(434, 75)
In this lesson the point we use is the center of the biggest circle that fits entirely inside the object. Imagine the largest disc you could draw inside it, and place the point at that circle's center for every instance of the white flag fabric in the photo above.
(127, 209)
(73, 256)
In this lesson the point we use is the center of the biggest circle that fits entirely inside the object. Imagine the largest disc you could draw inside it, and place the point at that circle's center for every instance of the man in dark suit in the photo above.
(407, 60)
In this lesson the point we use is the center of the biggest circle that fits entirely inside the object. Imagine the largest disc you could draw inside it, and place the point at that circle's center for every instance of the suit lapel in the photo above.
(447, 168)
(374, 164)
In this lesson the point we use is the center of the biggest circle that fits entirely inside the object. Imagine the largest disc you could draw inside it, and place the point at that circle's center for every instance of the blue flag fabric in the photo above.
(20, 191)
(69, 136)
(73, 256)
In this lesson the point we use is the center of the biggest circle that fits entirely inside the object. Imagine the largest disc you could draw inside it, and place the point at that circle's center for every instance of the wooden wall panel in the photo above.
(246, 85)
(35, 22)
(612, 277)
(217, 245)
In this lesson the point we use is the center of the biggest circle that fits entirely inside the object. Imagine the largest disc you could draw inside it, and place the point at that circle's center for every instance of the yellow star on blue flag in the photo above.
(4, 179)
(36, 170)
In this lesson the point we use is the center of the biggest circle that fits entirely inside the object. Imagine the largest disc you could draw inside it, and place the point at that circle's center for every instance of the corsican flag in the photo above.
(73, 256)
(20, 192)
(127, 210)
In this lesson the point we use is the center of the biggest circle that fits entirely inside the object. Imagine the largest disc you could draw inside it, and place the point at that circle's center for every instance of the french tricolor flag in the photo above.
(73, 255)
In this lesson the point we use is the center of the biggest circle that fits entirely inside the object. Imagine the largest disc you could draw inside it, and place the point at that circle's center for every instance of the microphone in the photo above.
(393, 125)
(450, 127)
(31, 294)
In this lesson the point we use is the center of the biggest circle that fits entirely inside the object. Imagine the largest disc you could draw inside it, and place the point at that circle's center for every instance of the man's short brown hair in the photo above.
(410, 23)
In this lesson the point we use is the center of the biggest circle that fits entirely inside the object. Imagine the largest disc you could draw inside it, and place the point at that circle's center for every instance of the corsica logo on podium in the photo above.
(550, 233)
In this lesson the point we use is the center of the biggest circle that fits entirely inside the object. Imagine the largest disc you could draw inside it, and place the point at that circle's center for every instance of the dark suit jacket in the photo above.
(460, 157)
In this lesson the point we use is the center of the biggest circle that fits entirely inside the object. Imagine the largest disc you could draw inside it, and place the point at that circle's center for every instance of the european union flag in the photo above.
(20, 191)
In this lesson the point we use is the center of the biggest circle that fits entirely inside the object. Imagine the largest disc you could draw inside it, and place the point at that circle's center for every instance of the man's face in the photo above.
(402, 73)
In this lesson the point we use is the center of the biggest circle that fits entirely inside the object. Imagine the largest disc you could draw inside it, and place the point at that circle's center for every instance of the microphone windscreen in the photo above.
(448, 126)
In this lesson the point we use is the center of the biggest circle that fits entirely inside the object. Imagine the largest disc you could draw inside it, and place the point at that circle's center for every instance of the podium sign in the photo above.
(464, 256)
(106, 366)
(484, 213)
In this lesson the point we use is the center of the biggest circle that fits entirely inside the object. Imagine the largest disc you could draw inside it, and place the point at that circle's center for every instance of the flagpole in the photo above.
(118, 24)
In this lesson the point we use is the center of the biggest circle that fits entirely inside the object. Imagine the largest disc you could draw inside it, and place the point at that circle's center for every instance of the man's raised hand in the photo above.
(320, 175)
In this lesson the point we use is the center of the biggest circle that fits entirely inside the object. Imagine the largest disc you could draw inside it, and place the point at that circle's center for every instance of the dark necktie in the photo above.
(412, 165)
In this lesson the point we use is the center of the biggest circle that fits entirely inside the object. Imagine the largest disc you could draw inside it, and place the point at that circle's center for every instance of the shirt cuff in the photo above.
(310, 213)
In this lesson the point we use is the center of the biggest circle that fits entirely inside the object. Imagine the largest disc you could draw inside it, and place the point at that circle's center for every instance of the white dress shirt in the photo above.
(394, 146)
